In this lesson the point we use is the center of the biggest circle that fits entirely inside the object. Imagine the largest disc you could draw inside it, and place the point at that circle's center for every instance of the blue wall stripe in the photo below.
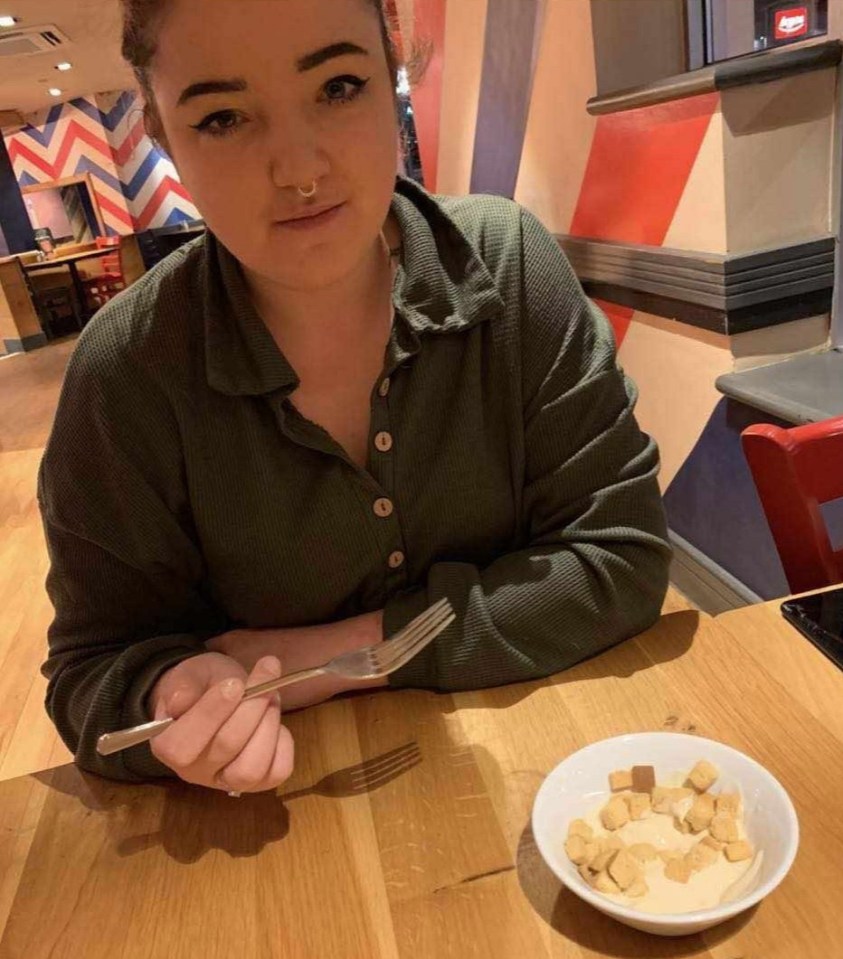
(512, 33)
(44, 137)
(712, 502)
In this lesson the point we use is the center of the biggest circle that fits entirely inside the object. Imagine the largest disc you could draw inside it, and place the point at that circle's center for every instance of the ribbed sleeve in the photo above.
(595, 571)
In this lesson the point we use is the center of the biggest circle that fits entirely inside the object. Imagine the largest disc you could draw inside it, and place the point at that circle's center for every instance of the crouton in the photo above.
(639, 805)
(614, 814)
(643, 779)
(679, 869)
(703, 776)
(643, 851)
(620, 779)
(729, 804)
(603, 882)
(638, 888)
(738, 851)
(724, 828)
(701, 856)
(624, 869)
(701, 813)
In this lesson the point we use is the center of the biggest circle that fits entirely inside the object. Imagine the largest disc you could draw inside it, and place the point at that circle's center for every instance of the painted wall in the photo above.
(676, 175)
(136, 186)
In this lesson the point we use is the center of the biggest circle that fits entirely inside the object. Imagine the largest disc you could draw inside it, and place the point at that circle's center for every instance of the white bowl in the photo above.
(579, 783)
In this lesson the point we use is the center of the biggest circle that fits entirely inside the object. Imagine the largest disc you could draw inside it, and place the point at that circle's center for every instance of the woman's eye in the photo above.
(343, 89)
(219, 124)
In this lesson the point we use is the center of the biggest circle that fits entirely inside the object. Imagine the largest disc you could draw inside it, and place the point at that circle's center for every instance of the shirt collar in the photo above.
(441, 286)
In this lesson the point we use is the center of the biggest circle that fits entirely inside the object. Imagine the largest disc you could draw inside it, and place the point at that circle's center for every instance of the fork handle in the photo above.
(114, 742)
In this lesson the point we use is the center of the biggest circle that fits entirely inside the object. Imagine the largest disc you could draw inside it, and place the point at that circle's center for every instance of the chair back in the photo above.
(110, 264)
(795, 471)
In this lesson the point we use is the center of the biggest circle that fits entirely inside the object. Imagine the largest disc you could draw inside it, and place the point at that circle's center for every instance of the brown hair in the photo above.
(141, 20)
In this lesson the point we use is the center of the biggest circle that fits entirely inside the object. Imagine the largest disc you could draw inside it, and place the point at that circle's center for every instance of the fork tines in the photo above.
(408, 641)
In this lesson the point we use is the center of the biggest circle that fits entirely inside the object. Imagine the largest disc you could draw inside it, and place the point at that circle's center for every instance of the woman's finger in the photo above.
(249, 769)
(235, 733)
(282, 764)
(182, 744)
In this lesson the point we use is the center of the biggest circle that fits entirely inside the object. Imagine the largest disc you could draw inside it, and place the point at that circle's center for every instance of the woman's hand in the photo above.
(218, 741)
(305, 647)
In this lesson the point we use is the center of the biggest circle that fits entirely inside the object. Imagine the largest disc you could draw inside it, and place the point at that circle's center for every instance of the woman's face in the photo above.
(260, 97)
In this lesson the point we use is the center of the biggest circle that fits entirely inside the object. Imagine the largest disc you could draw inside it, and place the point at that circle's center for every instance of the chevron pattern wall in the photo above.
(137, 186)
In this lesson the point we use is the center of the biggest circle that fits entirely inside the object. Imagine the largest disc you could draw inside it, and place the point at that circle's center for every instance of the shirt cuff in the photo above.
(421, 671)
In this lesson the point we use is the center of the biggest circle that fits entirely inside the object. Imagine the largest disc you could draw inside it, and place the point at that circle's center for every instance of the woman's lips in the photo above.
(313, 222)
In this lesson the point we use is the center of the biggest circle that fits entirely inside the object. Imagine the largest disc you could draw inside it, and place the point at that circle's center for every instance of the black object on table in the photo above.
(819, 616)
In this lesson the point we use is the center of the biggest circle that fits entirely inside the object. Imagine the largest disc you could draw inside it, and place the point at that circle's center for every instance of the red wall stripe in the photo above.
(637, 171)
(427, 96)
(107, 205)
(123, 153)
(638, 168)
(73, 132)
(167, 186)
(619, 316)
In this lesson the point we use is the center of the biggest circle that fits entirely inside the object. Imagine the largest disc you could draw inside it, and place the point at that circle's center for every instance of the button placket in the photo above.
(383, 445)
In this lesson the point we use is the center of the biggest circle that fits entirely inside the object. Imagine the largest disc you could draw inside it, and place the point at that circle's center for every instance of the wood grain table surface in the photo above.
(405, 829)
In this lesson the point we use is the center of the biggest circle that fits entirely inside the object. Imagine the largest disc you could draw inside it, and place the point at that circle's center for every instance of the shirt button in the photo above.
(383, 507)
(396, 559)
(383, 442)
(383, 389)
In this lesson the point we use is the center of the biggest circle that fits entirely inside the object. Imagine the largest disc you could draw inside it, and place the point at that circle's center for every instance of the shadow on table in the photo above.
(578, 921)
(364, 777)
(192, 821)
(670, 638)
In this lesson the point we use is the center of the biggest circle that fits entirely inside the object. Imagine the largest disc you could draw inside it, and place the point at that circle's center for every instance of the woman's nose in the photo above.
(296, 158)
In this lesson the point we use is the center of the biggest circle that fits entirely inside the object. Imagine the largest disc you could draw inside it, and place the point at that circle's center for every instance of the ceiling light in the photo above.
(7, 21)
(54, 92)
(64, 66)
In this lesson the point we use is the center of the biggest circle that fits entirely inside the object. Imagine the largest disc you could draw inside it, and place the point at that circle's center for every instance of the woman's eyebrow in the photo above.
(312, 60)
(308, 62)
(204, 87)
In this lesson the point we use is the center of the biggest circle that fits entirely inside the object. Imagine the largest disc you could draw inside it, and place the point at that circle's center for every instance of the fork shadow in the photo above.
(195, 821)
(364, 777)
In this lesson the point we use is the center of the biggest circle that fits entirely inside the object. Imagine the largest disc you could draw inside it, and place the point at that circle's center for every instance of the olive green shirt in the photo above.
(183, 495)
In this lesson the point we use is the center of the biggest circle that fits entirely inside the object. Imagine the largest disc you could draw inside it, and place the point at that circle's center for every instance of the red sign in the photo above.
(791, 23)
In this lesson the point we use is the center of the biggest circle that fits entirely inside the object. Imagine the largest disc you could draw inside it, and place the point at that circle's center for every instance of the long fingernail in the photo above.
(272, 664)
(231, 689)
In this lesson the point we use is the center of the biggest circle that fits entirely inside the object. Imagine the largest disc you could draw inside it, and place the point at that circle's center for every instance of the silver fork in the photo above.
(371, 662)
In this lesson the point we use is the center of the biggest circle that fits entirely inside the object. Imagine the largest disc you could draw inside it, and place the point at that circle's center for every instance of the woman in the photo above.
(349, 399)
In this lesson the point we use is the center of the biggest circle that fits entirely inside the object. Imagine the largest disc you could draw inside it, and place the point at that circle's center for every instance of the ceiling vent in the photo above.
(32, 41)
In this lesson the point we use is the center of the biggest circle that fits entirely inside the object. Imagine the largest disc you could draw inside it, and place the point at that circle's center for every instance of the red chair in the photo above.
(795, 470)
(101, 287)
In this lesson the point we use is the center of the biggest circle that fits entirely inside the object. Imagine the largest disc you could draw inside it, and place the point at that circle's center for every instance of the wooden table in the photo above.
(70, 260)
(811, 679)
(405, 834)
